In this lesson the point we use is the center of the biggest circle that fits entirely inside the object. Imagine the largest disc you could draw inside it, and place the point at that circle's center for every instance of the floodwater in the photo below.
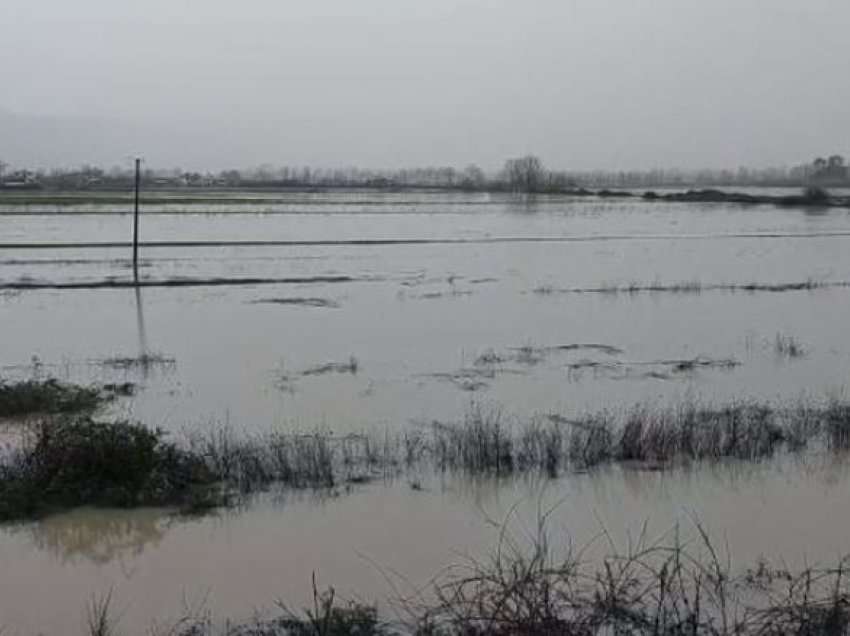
(415, 288)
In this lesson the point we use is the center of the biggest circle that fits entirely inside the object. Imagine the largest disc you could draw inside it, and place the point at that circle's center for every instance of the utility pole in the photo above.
(136, 222)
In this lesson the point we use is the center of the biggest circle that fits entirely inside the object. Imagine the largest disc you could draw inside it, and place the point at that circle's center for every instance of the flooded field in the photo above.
(377, 313)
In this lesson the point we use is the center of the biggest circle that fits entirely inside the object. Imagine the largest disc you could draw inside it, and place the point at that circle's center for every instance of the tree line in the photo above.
(526, 174)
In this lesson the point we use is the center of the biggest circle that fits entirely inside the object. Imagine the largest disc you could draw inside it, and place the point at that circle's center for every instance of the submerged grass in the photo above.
(529, 355)
(145, 362)
(692, 287)
(788, 346)
(287, 381)
(325, 303)
(350, 366)
(700, 362)
(657, 369)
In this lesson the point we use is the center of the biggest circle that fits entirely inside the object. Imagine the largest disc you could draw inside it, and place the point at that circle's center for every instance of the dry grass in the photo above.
(661, 588)
(670, 586)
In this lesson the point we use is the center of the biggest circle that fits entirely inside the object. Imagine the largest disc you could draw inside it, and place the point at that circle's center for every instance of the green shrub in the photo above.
(47, 396)
(73, 462)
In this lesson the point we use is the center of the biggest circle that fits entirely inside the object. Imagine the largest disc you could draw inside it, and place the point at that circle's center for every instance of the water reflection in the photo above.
(612, 498)
(100, 536)
(140, 324)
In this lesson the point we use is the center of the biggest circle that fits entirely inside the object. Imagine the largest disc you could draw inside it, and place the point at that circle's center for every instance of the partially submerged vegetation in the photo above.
(67, 462)
(144, 362)
(78, 461)
(287, 380)
(349, 366)
(488, 442)
(691, 287)
(50, 396)
(670, 586)
(470, 379)
(788, 346)
(662, 588)
(298, 301)
(453, 293)
(490, 364)
(810, 197)
(655, 369)
(529, 354)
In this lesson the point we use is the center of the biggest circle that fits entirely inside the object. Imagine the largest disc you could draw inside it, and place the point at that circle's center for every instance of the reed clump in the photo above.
(788, 346)
(670, 587)
(67, 462)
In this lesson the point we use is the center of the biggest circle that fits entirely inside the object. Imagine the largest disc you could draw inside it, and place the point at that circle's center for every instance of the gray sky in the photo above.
(387, 83)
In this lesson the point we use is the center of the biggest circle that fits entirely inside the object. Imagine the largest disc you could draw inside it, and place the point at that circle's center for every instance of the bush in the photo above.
(73, 462)
(47, 396)
(816, 193)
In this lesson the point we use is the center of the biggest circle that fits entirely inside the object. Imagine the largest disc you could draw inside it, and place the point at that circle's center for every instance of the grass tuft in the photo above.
(144, 362)
(99, 616)
(788, 347)
(351, 366)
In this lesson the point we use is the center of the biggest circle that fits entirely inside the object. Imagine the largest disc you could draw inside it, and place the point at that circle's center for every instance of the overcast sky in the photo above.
(386, 83)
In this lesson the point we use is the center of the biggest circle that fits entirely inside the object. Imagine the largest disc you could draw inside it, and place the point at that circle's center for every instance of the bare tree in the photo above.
(525, 174)
(829, 169)
(473, 178)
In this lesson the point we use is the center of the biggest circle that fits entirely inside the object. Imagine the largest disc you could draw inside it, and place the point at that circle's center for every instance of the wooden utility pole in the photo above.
(136, 220)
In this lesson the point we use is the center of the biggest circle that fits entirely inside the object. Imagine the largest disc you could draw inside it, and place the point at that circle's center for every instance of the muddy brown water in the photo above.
(416, 317)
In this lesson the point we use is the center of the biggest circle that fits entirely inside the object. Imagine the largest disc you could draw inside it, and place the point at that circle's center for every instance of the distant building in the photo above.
(21, 180)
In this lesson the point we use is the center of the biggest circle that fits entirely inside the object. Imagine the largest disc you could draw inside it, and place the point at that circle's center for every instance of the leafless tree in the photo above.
(525, 174)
